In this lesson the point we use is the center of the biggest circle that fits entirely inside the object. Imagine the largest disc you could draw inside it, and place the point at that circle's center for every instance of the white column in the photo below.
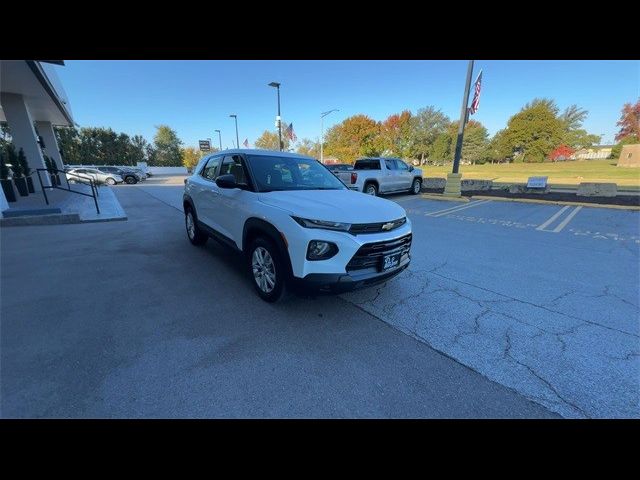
(45, 130)
(3, 202)
(23, 134)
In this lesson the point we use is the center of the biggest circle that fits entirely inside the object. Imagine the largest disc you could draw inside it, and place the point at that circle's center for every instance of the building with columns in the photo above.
(32, 102)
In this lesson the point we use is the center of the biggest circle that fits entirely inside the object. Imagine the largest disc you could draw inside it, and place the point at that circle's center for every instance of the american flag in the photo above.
(246, 143)
(475, 103)
(290, 133)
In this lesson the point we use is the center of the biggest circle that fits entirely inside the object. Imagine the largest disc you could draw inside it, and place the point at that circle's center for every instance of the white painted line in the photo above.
(552, 219)
(457, 208)
(567, 220)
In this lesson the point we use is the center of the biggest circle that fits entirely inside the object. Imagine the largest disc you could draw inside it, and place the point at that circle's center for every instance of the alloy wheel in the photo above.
(264, 270)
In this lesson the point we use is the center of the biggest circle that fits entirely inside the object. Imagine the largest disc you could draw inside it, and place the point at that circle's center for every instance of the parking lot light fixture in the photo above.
(276, 85)
(219, 138)
(322, 115)
(235, 117)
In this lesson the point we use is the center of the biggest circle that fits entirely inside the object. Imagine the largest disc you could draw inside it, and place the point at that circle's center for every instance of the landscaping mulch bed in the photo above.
(626, 200)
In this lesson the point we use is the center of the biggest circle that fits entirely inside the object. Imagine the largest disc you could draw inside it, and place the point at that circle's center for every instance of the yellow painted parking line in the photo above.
(552, 219)
(567, 220)
(457, 208)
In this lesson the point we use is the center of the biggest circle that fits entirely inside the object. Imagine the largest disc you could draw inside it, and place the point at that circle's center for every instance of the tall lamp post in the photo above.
(322, 115)
(452, 187)
(276, 85)
(235, 117)
(219, 138)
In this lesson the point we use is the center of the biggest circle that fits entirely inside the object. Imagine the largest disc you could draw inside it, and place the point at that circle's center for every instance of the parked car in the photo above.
(97, 176)
(343, 172)
(296, 224)
(129, 176)
(385, 175)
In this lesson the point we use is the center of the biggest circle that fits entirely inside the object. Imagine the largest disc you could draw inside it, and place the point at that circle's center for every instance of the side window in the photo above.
(210, 170)
(232, 165)
(391, 165)
(401, 165)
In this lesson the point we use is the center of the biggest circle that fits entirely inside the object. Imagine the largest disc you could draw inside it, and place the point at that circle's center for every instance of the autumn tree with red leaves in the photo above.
(629, 122)
(563, 152)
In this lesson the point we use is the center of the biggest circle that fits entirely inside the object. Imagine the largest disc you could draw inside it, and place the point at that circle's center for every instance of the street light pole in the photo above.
(452, 187)
(219, 138)
(276, 85)
(235, 117)
(322, 115)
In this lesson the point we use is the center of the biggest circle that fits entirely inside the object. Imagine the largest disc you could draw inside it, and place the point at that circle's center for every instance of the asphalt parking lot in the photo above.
(507, 310)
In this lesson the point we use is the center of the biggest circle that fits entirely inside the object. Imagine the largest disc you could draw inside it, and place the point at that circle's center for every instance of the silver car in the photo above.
(81, 175)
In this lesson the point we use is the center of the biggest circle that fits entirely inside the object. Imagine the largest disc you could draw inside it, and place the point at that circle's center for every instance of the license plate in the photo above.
(390, 261)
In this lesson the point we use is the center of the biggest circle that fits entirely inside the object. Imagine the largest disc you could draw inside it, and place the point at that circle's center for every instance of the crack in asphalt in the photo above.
(549, 385)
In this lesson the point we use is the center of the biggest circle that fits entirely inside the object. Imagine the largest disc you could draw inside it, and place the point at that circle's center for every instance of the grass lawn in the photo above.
(560, 173)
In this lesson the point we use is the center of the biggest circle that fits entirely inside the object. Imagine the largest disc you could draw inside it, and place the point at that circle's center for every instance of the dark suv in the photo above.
(128, 176)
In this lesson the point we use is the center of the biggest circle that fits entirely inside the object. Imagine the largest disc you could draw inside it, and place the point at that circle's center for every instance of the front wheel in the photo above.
(267, 269)
(111, 181)
(416, 186)
(130, 180)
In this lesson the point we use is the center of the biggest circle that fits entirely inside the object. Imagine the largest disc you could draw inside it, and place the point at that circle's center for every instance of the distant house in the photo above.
(629, 156)
(597, 152)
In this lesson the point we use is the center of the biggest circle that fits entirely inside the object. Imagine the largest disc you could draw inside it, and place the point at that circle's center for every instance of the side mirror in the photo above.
(226, 181)
(411, 168)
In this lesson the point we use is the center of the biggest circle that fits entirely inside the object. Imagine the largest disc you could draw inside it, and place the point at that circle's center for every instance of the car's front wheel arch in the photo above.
(256, 227)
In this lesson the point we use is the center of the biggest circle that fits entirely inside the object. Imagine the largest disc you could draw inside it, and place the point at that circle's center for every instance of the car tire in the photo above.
(130, 180)
(110, 181)
(194, 234)
(265, 262)
(371, 189)
(416, 186)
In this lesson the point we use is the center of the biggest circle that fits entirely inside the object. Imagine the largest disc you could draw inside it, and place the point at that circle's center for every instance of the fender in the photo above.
(254, 226)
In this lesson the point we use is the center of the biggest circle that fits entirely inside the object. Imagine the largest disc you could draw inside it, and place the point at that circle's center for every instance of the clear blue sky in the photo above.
(196, 97)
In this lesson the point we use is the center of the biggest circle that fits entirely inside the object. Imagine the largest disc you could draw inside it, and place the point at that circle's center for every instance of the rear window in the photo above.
(367, 165)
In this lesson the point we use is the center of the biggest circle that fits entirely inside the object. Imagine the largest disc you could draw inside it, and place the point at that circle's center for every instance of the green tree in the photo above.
(269, 140)
(308, 147)
(440, 150)
(137, 149)
(166, 147)
(575, 136)
(474, 142)
(534, 132)
(352, 138)
(426, 125)
(628, 140)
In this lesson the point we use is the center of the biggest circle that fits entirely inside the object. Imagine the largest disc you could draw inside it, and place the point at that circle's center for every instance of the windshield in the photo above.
(287, 173)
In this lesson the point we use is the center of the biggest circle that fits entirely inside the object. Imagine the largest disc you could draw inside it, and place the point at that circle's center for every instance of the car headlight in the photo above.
(321, 250)
(307, 223)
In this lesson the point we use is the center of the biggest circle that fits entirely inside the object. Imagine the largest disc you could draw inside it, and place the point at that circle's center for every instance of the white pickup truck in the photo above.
(385, 175)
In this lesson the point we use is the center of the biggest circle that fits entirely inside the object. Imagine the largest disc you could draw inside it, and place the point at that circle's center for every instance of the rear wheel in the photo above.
(110, 181)
(196, 236)
(415, 186)
(130, 180)
(371, 189)
(267, 269)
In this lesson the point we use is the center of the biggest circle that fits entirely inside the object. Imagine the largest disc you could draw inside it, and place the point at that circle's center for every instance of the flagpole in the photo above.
(452, 187)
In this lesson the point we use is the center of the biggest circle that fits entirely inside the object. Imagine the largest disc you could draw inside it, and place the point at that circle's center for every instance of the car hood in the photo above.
(334, 205)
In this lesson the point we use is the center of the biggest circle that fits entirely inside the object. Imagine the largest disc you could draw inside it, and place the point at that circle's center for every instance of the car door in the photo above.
(391, 180)
(206, 194)
(232, 212)
(404, 175)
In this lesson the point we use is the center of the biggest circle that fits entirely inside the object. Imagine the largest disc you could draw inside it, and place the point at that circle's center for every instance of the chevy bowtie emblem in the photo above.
(388, 226)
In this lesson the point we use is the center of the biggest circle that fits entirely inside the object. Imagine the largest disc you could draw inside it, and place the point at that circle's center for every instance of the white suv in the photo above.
(296, 223)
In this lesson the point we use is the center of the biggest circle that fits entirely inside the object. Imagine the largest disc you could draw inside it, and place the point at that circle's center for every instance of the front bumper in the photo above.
(345, 282)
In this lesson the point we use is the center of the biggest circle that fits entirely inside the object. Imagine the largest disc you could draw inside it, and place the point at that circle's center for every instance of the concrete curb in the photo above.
(439, 196)
(555, 202)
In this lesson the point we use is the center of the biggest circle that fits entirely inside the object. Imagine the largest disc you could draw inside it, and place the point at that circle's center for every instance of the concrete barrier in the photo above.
(167, 170)
(476, 185)
(433, 182)
(592, 189)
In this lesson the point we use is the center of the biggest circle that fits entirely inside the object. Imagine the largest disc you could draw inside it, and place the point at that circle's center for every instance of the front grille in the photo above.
(369, 254)
(359, 228)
